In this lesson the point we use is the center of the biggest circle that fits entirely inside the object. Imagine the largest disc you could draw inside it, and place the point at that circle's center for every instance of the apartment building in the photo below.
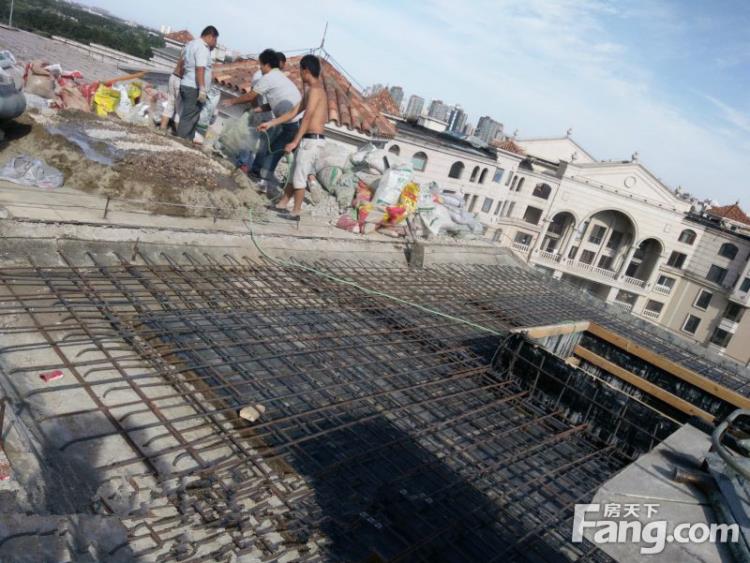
(611, 228)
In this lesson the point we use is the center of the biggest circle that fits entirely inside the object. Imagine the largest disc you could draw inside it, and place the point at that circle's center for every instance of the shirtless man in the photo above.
(309, 140)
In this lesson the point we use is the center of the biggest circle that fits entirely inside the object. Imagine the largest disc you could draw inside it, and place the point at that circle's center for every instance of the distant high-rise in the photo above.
(438, 110)
(467, 130)
(456, 120)
(488, 129)
(397, 93)
(415, 106)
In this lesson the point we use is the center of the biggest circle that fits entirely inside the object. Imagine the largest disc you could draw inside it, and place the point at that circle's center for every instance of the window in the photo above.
(676, 259)
(532, 215)
(745, 285)
(687, 236)
(665, 281)
(498, 235)
(703, 300)
(467, 197)
(483, 176)
(614, 240)
(513, 184)
(498, 207)
(497, 178)
(509, 211)
(733, 312)
(605, 262)
(720, 338)
(457, 170)
(572, 252)
(474, 174)
(520, 184)
(487, 205)
(597, 234)
(716, 274)
(419, 161)
(395, 149)
(626, 297)
(654, 306)
(542, 190)
(728, 250)
(473, 203)
(691, 324)
(632, 269)
(510, 177)
(587, 256)
(523, 238)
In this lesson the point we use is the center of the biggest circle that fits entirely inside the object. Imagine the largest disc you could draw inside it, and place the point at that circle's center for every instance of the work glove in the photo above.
(202, 96)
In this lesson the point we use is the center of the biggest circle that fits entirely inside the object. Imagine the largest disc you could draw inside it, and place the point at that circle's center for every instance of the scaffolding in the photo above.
(376, 430)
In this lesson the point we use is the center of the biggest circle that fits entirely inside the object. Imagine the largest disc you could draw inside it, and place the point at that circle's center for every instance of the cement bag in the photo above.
(334, 154)
(124, 105)
(105, 100)
(40, 85)
(328, 176)
(209, 109)
(345, 189)
(237, 136)
(452, 200)
(391, 185)
(436, 219)
(425, 201)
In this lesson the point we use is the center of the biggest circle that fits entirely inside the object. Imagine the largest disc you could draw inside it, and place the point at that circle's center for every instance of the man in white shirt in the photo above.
(196, 80)
(282, 95)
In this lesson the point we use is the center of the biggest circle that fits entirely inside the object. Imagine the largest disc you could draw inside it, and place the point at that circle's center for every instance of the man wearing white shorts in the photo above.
(309, 140)
(171, 106)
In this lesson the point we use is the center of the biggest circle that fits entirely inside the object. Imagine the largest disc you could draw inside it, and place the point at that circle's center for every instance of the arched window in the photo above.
(474, 174)
(687, 236)
(457, 170)
(513, 184)
(542, 190)
(395, 149)
(483, 176)
(520, 184)
(728, 250)
(419, 161)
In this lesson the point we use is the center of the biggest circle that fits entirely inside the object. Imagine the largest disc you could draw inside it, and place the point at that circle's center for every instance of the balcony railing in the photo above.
(624, 306)
(729, 325)
(551, 256)
(742, 296)
(520, 247)
(635, 282)
(716, 348)
(651, 314)
(663, 289)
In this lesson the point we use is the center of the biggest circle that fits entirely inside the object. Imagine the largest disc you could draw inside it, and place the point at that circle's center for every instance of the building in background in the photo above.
(488, 129)
(438, 110)
(415, 106)
(456, 120)
(397, 93)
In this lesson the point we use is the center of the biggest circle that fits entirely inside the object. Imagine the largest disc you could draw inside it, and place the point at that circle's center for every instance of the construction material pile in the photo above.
(375, 191)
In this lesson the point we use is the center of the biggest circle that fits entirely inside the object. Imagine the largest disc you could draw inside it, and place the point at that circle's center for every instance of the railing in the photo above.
(627, 307)
(716, 348)
(520, 247)
(551, 256)
(651, 314)
(729, 325)
(663, 289)
(635, 282)
(741, 296)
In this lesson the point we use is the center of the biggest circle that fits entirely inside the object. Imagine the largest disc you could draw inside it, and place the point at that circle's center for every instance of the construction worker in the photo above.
(196, 80)
(172, 105)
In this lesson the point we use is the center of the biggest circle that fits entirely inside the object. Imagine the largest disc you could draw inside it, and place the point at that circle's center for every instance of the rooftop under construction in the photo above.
(222, 406)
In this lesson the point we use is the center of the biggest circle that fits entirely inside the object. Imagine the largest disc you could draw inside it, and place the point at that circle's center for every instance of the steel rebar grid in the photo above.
(409, 442)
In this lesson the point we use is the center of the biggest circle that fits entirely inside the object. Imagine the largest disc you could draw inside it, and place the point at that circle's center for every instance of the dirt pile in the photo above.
(109, 157)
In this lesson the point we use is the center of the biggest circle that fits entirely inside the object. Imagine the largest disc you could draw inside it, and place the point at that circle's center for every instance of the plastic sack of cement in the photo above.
(373, 159)
(425, 202)
(334, 154)
(436, 219)
(209, 109)
(345, 188)
(238, 137)
(328, 176)
(390, 186)
(29, 171)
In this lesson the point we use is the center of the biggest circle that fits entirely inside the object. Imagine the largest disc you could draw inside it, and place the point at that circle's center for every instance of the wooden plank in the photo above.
(687, 375)
(544, 331)
(642, 384)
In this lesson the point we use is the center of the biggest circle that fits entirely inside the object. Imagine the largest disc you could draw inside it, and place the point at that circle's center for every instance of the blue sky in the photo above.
(668, 79)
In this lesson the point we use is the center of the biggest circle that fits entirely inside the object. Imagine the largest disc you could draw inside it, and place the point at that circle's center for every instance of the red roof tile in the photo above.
(384, 102)
(508, 145)
(347, 107)
(182, 36)
(732, 212)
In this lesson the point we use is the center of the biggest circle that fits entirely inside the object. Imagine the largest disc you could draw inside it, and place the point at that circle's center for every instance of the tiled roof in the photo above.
(346, 105)
(732, 212)
(384, 102)
(182, 36)
(508, 145)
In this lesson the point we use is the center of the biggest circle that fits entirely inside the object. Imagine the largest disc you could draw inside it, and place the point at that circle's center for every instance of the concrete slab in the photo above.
(648, 480)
